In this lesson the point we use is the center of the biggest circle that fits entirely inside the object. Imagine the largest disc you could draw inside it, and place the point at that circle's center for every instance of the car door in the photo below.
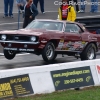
(72, 37)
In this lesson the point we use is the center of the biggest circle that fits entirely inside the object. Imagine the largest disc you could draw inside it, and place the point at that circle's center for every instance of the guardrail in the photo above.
(49, 78)
(91, 23)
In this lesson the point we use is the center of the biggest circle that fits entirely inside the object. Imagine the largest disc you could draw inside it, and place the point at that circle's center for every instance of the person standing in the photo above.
(82, 8)
(41, 4)
(30, 12)
(76, 4)
(94, 6)
(20, 4)
(66, 12)
(8, 5)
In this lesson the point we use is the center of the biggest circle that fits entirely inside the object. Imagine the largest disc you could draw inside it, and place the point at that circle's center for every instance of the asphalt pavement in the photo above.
(51, 13)
(30, 59)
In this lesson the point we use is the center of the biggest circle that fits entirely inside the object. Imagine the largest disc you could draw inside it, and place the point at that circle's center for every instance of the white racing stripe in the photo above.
(1, 54)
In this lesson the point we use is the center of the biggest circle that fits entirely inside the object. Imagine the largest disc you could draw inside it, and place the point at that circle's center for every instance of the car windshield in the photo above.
(49, 25)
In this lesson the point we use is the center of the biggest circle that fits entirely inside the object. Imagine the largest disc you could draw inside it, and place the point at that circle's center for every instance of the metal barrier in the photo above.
(91, 23)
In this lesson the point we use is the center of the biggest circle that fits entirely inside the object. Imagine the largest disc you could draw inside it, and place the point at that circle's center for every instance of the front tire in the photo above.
(9, 54)
(89, 53)
(48, 53)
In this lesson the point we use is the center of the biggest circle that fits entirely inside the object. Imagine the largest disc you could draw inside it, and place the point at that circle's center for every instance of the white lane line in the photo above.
(1, 54)
(10, 23)
(39, 12)
(51, 11)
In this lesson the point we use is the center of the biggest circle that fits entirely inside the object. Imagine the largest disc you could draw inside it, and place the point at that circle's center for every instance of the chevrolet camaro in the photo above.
(49, 38)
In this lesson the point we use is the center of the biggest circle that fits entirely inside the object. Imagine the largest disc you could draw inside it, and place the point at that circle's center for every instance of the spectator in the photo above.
(20, 4)
(76, 4)
(41, 4)
(94, 6)
(77, 7)
(30, 12)
(98, 31)
(66, 12)
(8, 4)
(82, 10)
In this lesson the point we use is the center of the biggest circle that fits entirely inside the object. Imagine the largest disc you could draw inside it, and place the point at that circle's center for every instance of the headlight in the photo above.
(3, 37)
(33, 38)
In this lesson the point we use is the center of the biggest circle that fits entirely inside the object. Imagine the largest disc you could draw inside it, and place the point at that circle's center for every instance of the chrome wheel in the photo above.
(49, 52)
(11, 52)
(90, 53)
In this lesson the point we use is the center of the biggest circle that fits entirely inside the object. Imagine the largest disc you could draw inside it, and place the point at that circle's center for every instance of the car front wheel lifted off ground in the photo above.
(9, 54)
(48, 52)
(89, 53)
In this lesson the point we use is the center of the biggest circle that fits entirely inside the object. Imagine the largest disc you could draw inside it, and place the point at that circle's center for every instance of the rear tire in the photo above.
(9, 54)
(48, 53)
(89, 52)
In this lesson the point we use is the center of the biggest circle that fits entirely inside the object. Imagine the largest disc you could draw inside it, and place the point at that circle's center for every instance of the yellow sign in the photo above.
(15, 86)
(5, 90)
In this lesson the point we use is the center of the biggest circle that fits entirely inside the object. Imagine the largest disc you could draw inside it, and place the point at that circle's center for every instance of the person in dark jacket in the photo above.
(77, 6)
(30, 12)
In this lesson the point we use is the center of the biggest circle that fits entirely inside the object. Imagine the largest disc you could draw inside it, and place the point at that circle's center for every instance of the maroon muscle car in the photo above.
(49, 38)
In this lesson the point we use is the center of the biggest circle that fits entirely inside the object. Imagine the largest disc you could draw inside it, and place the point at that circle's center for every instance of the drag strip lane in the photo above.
(32, 60)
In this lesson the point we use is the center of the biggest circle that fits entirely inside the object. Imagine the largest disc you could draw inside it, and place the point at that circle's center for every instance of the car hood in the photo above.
(24, 32)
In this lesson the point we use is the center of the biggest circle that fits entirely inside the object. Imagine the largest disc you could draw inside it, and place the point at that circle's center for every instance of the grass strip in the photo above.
(90, 93)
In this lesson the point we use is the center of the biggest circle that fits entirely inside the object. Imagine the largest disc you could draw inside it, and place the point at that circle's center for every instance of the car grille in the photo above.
(18, 38)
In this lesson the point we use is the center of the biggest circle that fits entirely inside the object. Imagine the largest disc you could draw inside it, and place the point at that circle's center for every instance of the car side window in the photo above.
(72, 28)
(68, 28)
(78, 29)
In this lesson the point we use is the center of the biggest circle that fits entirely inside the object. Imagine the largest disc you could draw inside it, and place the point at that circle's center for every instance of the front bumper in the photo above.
(19, 49)
(19, 42)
